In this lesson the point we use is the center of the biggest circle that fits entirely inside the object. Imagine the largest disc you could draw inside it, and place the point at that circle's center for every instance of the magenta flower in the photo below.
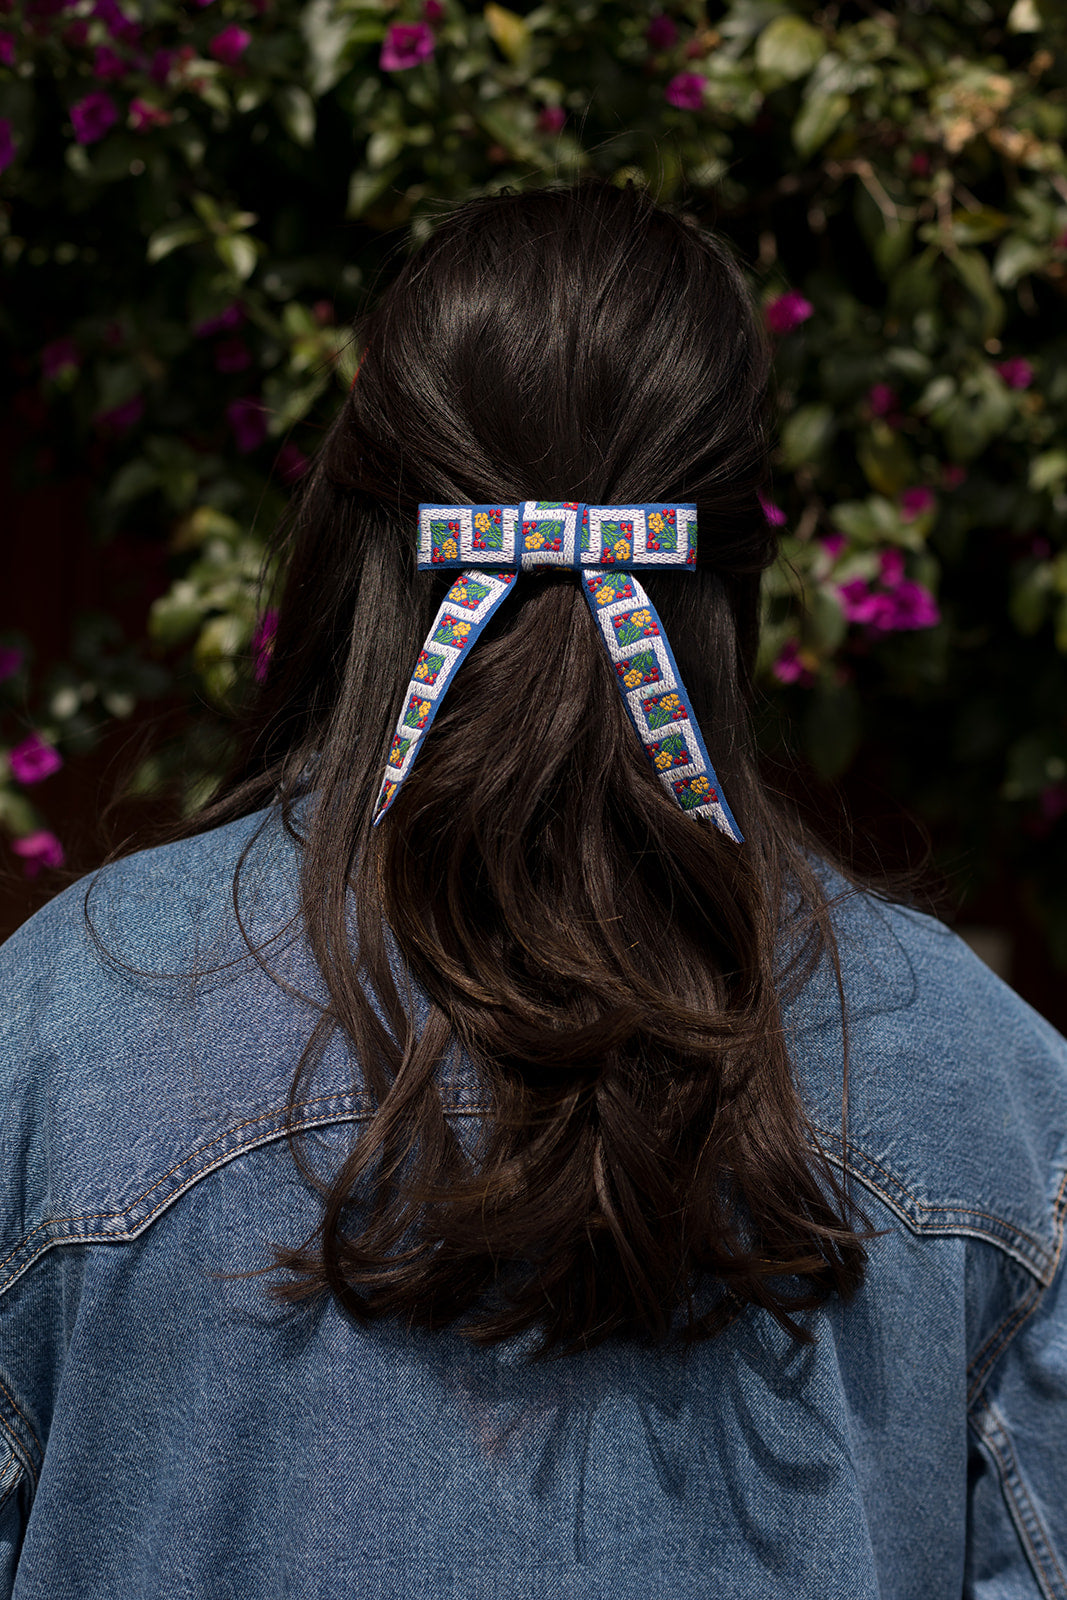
(232, 316)
(263, 643)
(232, 355)
(1016, 372)
(144, 115)
(162, 62)
(33, 760)
(249, 424)
(292, 463)
(833, 544)
(686, 91)
(115, 20)
(919, 166)
(93, 116)
(881, 398)
(789, 668)
(913, 502)
(661, 32)
(10, 661)
(405, 45)
(774, 514)
(121, 418)
(7, 49)
(41, 849)
(7, 144)
(551, 119)
(433, 11)
(60, 357)
(108, 64)
(787, 311)
(858, 603)
(891, 567)
(230, 45)
(912, 606)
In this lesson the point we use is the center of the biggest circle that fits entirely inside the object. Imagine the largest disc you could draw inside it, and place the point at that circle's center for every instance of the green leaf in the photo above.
(974, 270)
(1048, 470)
(806, 434)
(817, 120)
(297, 112)
(1016, 257)
(326, 30)
(788, 48)
(887, 463)
(365, 187)
(133, 480)
(172, 236)
(238, 253)
(176, 614)
(1028, 606)
(1024, 17)
(508, 31)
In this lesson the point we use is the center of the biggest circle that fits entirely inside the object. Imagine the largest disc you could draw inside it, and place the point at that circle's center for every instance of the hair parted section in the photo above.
(611, 969)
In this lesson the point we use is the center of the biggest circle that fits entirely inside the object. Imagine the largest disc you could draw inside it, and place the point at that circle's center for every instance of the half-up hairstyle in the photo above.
(610, 969)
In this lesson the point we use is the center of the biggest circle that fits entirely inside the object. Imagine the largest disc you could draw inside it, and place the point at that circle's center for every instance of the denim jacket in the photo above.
(168, 1430)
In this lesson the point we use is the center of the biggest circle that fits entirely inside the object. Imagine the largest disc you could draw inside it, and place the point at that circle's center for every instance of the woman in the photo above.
(668, 1216)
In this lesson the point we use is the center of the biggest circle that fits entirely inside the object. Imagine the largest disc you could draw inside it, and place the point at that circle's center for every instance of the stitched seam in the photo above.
(1017, 1315)
(29, 1427)
(962, 1211)
(19, 1452)
(1026, 1307)
(1019, 1496)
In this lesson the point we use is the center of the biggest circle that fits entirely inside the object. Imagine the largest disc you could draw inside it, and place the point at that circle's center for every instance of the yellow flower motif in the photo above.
(699, 785)
(655, 522)
(534, 541)
(482, 523)
(663, 760)
(602, 596)
(422, 670)
(671, 702)
(461, 629)
(641, 619)
(621, 547)
(458, 594)
(632, 679)
(448, 549)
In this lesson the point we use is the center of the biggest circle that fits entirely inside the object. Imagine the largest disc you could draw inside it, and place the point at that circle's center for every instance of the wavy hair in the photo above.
(612, 970)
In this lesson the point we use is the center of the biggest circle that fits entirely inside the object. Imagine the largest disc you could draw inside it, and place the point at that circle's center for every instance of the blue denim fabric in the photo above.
(167, 1433)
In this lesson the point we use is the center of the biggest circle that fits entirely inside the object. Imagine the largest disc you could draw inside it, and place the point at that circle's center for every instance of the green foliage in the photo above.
(182, 278)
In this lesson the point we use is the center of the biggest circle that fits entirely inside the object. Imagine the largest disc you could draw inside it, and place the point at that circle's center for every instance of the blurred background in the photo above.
(197, 198)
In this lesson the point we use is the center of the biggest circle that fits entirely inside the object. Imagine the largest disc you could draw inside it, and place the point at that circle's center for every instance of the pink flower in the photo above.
(858, 603)
(433, 11)
(292, 463)
(1016, 372)
(107, 64)
(7, 144)
(913, 502)
(833, 544)
(774, 514)
(788, 311)
(230, 45)
(162, 62)
(919, 166)
(7, 49)
(144, 115)
(117, 23)
(248, 422)
(60, 357)
(661, 32)
(10, 661)
(263, 643)
(93, 116)
(952, 475)
(41, 849)
(911, 606)
(405, 45)
(686, 91)
(891, 567)
(551, 119)
(232, 355)
(232, 316)
(881, 399)
(33, 760)
(789, 668)
(121, 418)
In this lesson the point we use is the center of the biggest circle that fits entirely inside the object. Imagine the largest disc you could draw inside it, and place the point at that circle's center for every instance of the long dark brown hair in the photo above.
(611, 970)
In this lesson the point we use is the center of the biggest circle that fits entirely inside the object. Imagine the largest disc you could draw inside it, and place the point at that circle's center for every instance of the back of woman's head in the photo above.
(610, 965)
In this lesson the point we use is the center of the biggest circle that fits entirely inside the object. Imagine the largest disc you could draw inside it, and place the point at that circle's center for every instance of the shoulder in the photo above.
(957, 1089)
(142, 1043)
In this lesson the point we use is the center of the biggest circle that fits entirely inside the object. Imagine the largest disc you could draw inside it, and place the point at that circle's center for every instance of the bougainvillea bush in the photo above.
(197, 198)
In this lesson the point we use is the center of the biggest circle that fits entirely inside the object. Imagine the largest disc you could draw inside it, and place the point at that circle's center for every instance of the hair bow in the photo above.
(490, 545)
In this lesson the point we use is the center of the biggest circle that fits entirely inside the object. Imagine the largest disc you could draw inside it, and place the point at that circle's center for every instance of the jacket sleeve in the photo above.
(1017, 1515)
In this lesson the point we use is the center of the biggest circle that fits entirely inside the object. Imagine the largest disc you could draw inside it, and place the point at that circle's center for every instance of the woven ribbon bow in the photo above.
(490, 545)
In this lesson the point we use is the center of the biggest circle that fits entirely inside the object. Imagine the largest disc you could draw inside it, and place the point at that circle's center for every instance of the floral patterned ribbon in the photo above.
(490, 545)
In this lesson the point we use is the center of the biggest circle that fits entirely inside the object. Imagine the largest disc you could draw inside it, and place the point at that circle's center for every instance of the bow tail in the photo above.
(462, 615)
(654, 695)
